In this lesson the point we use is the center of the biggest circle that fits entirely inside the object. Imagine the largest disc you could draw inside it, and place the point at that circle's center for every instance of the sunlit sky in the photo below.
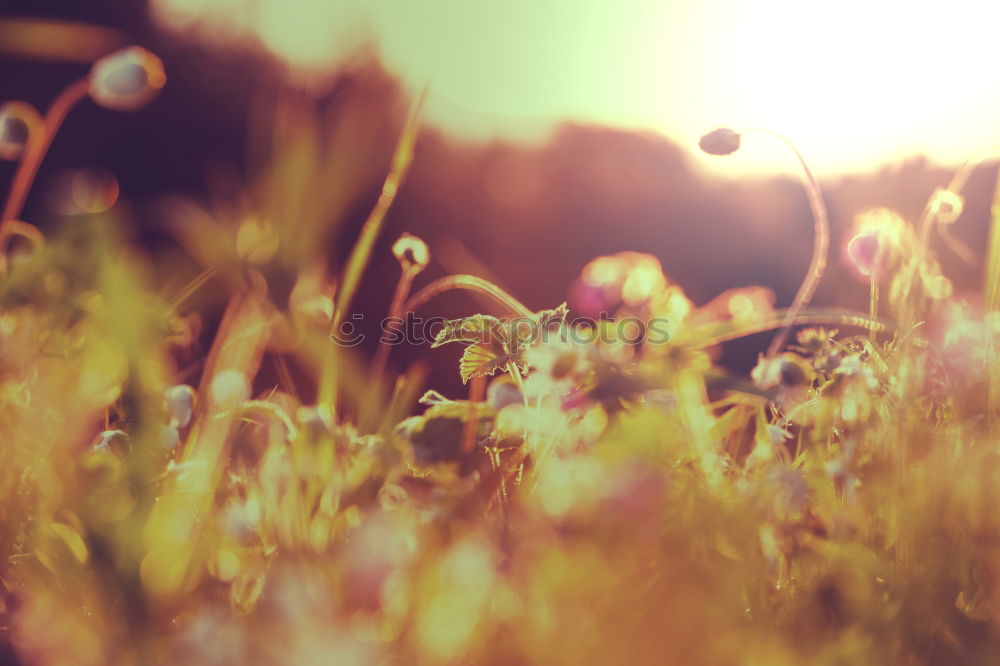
(854, 83)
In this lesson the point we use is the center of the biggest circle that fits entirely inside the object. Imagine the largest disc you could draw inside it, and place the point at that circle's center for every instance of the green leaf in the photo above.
(527, 330)
(482, 359)
(475, 329)
(494, 343)
(548, 317)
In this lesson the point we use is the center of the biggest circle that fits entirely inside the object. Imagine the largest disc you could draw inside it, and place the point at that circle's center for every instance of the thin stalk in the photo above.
(477, 392)
(821, 245)
(873, 304)
(956, 185)
(197, 283)
(927, 217)
(395, 312)
(991, 290)
(381, 359)
(469, 283)
(361, 252)
(515, 374)
(38, 146)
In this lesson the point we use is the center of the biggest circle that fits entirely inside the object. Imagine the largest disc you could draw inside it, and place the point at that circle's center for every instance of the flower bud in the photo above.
(411, 252)
(180, 401)
(127, 79)
(17, 121)
(722, 141)
(863, 251)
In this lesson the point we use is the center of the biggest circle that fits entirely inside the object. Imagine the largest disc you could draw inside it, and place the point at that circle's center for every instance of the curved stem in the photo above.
(470, 283)
(927, 217)
(37, 147)
(821, 245)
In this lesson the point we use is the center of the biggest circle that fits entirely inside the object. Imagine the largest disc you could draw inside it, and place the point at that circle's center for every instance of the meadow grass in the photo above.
(591, 500)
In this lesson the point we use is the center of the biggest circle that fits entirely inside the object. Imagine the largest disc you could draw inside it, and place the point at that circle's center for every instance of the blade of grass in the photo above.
(991, 290)
(362, 251)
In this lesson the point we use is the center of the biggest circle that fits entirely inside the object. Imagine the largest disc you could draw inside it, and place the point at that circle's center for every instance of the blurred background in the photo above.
(554, 132)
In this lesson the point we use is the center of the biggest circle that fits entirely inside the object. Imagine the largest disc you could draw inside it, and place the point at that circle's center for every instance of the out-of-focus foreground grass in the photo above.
(603, 500)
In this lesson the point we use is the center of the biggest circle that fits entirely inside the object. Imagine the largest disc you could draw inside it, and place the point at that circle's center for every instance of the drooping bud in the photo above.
(127, 79)
(17, 121)
(411, 252)
(946, 206)
(722, 141)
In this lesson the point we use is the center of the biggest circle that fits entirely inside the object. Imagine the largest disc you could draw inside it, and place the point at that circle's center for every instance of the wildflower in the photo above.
(722, 141)
(17, 121)
(127, 79)
(411, 252)
(881, 239)
(863, 251)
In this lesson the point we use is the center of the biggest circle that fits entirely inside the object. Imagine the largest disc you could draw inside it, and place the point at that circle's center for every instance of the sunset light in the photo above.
(499, 333)
(856, 84)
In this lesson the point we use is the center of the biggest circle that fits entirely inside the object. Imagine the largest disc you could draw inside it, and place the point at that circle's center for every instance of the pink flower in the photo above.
(863, 251)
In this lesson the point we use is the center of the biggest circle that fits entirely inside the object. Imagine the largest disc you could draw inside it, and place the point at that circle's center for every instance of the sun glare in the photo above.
(854, 85)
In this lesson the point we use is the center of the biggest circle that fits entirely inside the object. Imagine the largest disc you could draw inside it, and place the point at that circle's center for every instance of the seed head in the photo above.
(411, 252)
(127, 79)
(722, 141)
(17, 121)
